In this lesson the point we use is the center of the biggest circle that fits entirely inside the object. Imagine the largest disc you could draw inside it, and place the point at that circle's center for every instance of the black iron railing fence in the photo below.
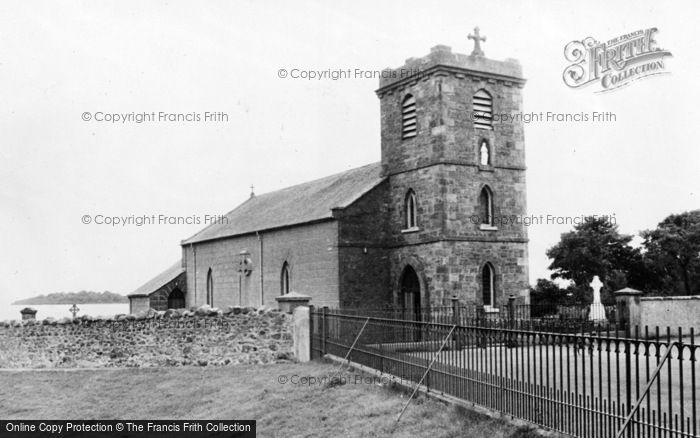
(583, 384)
(566, 319)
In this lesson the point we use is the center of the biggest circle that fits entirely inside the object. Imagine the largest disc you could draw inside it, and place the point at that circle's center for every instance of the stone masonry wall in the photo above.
(207, 337)
(363, 259)
(448, 269)
(445, 122)
(310, 251)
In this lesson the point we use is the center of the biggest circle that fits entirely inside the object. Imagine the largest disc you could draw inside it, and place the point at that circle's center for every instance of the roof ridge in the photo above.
(214, 223)
(300, 203)
(315, 181)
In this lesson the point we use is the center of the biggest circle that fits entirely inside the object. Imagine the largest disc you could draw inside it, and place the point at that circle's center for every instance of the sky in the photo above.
(62, 60)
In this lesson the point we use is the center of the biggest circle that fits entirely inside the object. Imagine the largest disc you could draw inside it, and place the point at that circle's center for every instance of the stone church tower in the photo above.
(456, 179)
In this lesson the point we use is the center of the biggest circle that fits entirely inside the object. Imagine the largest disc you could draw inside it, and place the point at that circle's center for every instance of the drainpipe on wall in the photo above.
(260, 263)
(194, 260)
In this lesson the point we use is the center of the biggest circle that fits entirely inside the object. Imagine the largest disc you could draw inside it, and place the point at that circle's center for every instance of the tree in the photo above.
(673, 250)
(596, 247)
(546, 296)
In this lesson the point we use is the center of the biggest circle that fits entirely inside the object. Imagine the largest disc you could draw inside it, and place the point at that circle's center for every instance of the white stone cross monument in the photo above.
(597, 312)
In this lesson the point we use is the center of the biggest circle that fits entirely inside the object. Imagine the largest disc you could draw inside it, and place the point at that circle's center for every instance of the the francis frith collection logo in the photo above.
(614, 63)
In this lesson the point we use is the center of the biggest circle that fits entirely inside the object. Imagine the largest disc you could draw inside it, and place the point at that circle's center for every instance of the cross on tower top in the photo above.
(477, 42)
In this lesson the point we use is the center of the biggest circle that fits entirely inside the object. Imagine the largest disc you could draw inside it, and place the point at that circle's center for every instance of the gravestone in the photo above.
(74, 310)
(597, 312)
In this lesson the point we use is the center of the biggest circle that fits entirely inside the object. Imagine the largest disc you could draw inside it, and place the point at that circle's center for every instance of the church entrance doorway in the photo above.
(176, 299)
(410, 291)
(410, 301)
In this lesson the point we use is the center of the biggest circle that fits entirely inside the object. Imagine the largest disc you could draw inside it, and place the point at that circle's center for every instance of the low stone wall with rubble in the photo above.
(204, 337)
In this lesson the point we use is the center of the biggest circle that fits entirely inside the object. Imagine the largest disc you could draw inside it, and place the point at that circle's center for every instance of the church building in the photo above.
(419, 227)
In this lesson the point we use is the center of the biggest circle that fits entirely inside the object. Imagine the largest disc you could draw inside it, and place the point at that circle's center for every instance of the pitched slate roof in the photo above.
(160, 280)
(294, 205)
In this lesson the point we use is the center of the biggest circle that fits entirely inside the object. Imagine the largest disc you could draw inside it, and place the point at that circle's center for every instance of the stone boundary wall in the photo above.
(672, 311)
(201, 337)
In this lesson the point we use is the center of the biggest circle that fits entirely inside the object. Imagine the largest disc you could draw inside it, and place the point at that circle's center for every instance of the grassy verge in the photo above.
(353, 409)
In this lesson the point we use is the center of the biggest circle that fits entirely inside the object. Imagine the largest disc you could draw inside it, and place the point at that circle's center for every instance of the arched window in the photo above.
(483, 109)
(410, 210)
(176, 299)
(484, 153)
(284, 279)
(408, 117)
(486, 206)
(210, 288)
(488, 286)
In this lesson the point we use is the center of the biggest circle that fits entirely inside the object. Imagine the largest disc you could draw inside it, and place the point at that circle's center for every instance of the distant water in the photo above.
(60, 310)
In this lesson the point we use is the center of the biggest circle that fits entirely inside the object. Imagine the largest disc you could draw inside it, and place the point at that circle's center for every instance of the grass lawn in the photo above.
(241, 392)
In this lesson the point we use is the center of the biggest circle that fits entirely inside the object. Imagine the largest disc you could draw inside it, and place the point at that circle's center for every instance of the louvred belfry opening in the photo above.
(409, 117)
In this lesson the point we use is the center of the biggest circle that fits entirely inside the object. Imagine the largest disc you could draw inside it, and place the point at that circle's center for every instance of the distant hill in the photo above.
(82, 297)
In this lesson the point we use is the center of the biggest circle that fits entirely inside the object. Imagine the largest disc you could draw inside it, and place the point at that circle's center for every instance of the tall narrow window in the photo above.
(486, 206)
(411, 210)
(484, 153)
(284, 279)
(210, 288)
(483, 110)
(487, 285)
(408, 116)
